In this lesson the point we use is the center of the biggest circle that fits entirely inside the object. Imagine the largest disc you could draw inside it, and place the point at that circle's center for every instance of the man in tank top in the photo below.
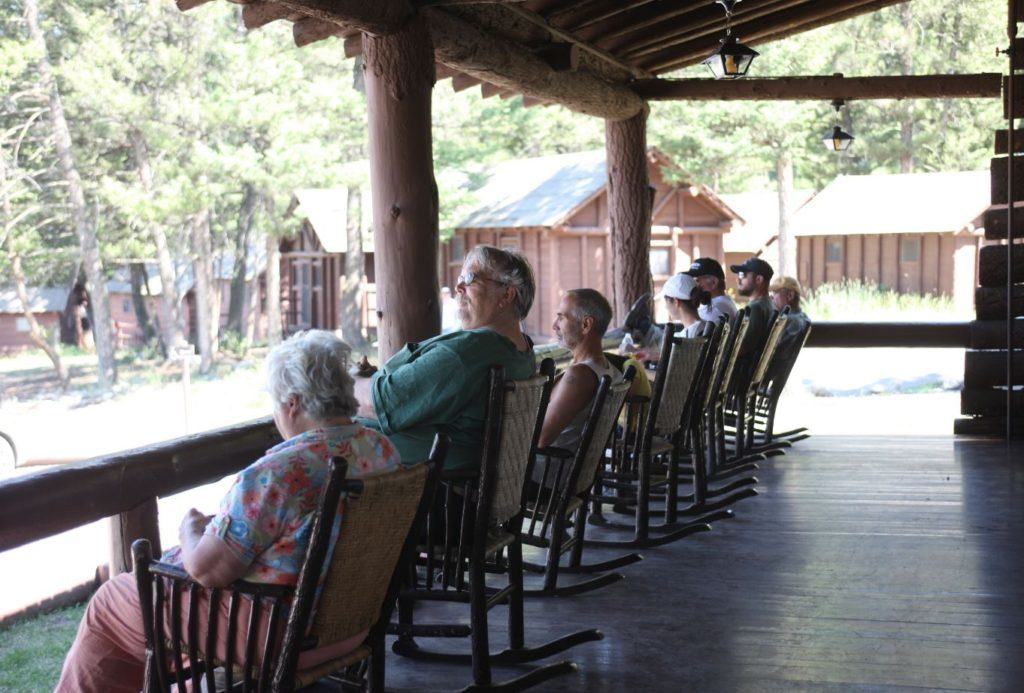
(582, 318)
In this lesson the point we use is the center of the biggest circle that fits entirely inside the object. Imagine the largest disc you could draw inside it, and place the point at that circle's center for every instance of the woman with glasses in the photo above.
(441, 384)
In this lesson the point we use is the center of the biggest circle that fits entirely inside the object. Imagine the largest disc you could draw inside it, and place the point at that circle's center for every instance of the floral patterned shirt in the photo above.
(267, 515)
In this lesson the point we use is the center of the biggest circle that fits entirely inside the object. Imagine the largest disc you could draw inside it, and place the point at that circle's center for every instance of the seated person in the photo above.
(683, 299)
(754, 275)
(441, 384)
(262, 529)
(582, 318)
(785, 293)
(711, 278)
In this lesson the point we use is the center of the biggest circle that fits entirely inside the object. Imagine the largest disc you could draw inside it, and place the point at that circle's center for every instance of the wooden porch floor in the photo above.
(866, 563)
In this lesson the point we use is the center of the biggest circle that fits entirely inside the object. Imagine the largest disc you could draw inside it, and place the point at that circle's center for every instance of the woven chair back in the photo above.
(732, 355)
(595, 452)
(718, 364)
(368, 548)
(770, 346)
(519, 425)
(684, 359)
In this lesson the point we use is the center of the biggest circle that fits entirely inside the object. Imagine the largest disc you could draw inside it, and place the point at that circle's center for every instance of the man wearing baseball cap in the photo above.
(754, 276)
(711, 278)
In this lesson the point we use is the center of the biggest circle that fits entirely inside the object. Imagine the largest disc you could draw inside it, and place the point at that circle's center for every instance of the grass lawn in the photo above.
(32, 650)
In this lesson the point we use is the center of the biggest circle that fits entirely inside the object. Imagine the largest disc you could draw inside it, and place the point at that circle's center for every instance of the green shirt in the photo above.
(441, 385)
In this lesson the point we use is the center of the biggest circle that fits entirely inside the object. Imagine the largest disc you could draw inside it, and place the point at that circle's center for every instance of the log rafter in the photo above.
(465, 47)
(984, 85)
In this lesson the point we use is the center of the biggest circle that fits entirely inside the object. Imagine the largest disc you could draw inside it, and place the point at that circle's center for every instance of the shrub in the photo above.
(856, 301)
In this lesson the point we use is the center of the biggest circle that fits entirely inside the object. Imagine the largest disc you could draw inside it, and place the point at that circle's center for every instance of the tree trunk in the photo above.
(350, 305)
(85, 231)
(399, 72)
(273, 290)
(629, 207)
(203, 269)
(138, 281)
(907, 49)
(172, 324)
(784, 184)
(246, 216)
(35, 331)
(252, 316)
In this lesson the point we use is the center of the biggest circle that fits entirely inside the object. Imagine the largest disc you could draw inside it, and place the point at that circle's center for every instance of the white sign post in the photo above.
(186, 353)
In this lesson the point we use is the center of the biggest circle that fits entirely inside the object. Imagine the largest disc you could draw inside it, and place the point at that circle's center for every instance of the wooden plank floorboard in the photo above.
(866, 564)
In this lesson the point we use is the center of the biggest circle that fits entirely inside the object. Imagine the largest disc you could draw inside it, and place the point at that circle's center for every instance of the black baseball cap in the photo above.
(754, 265)
(704, 266)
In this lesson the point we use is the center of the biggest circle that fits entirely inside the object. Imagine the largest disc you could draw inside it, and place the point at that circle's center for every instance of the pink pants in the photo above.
(109, 652)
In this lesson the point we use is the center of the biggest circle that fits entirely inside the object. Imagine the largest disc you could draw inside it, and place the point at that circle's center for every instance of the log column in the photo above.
(629, 208)
(399, 74)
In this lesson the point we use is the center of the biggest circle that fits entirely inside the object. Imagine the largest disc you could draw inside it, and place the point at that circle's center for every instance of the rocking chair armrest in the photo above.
(552, 451)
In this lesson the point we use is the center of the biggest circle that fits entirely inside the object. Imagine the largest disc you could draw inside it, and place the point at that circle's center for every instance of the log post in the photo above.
(141, 522)
(399, 73)
(629, 209)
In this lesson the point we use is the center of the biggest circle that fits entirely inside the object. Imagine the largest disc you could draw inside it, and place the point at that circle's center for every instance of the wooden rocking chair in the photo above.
(563, 497)
(485, 537)
(383, 515)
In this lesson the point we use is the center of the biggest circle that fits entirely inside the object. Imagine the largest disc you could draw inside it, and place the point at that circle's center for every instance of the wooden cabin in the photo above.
(914, 233)
(313, 263)
(554, 209)
(46, 304)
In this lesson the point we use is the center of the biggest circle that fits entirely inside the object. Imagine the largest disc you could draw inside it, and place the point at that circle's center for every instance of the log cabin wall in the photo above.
(578, 253)
(925, 263)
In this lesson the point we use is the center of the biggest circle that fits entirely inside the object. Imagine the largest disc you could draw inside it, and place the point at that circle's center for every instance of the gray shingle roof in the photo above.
(895, 203)
(41, 300)
(540, 191)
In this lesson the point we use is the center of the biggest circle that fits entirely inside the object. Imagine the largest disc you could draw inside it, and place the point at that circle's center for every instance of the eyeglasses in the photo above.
(467, 278)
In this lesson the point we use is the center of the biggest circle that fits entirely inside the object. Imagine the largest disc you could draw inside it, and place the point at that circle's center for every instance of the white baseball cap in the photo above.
(679, 286)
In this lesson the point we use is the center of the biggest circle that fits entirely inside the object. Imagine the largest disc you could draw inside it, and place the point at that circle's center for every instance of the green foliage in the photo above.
(32, 650)
(855, 301)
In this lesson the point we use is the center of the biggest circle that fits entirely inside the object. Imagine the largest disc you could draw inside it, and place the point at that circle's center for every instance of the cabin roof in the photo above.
(41, 300)
(545, 191)
(896, 203)
(760, 210)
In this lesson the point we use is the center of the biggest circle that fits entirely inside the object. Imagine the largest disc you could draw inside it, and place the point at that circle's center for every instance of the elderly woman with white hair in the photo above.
(262, 529)
(441, 384)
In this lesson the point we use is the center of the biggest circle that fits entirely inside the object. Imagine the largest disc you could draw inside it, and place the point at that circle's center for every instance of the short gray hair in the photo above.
(511, 268)
(313, 365)
(589, 303)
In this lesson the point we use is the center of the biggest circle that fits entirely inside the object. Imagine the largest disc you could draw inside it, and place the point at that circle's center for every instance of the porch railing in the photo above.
(125, 485)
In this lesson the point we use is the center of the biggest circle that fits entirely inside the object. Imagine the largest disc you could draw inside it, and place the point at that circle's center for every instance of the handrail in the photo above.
(890, 334)
(51, 501)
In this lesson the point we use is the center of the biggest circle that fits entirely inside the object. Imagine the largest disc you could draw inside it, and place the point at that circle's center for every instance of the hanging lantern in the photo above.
(731, 60)
(837, 140)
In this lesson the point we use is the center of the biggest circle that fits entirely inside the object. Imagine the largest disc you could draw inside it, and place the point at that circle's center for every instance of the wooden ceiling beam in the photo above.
(708, 23)
(462, 82)
(307, 30)
(466, 48)
(969, 86)
(648, 18)
(354, 45)
(478, 53)
(257, 14)
(770, 28)
(582, 13)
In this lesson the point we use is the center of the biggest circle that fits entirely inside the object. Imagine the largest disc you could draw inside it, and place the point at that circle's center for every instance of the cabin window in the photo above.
(21, 324)
(126, 306)
(661, 262)
(910, 249)
(833, 251)
(458, 248)
(509, 243)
